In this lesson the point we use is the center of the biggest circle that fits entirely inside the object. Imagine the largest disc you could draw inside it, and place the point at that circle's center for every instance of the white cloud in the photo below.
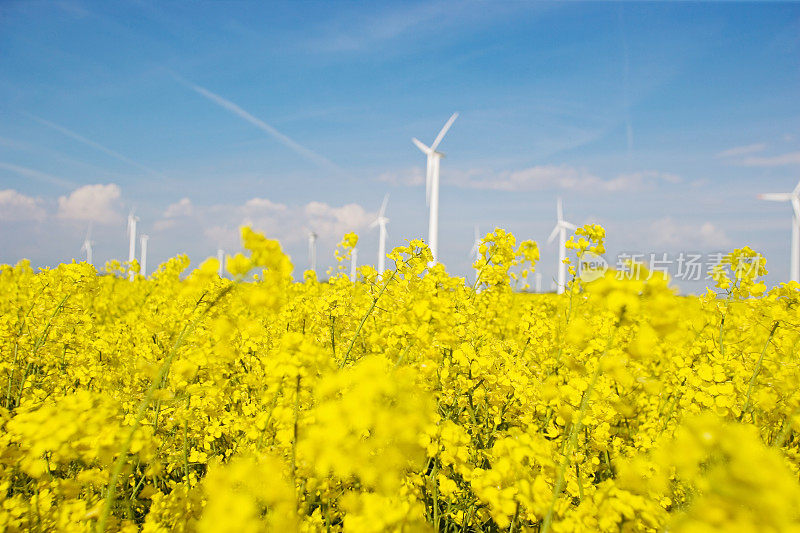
(220, 224)
(182, 208)
(410, 177)
(329, 221)
(262, 204)
(15, 206)
(559, 177)
(96, 203)
(792, 158)
(669, 233)
(738, 151)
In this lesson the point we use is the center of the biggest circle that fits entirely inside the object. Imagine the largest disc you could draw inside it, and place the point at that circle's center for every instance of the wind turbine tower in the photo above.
(353, 264)
(561, 231)
(144, 239)
(476, 249)
(221, 261)
(794, 198)
(476, 244)
(432, 185)
(381, 222)
(312, 251)
(132, 220)
(87, 245)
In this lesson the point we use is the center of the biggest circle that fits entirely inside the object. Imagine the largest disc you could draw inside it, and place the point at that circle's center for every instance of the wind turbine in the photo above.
(353, 264)
(312, 251)
(432, 185)
(221, 261)
(476, 249)
(476, 245)
(561, 230)
(87, 245)
(381, 222)
(143, 269)
(794, 198)
(132, 220)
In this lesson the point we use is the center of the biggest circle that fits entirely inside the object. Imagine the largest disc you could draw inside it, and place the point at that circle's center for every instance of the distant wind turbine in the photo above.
(794, 198)
(353, 264)
(432, 185)
(131, 239)
(87, 245)
(381, 222)
(476, 245)
(537, 282)
(476, 249)
(221, 261)
(312, 251)
(143, 266)
(561, 231)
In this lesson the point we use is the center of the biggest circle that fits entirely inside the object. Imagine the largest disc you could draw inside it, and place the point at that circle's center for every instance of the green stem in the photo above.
(434, 474)
(576, 428)
(333, 336)
(514, 520)
(294, 441)
(364, 319)
(756, 370)
(40, 340)
(163, 371)
(186, 445)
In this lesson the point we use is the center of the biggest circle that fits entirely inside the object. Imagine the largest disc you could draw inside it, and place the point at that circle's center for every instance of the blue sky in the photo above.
(661, 121)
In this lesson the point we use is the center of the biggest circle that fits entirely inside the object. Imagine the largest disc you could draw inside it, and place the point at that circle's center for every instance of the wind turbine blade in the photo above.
(560, 210)
(421, 146)
(444, 131)
(373, 223)
(776, 196)
(383, 205)
(569, 225)
(796, 190)
(552, 236)
(796, 206)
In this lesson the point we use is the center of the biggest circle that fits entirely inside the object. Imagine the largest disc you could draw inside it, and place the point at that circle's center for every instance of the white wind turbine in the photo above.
(312, 251)
(476, 244)
(381, 222)
(353, 264)
(432, 184)
(561, 230)
(221, 261)
(132, 220)
(476, 248)
(794, 198)
(87, 245)
(143, 266)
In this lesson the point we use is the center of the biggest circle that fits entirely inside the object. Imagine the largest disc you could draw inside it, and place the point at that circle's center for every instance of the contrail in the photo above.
(260, 124)
(41, 176)
(626, 73)
(88, 142)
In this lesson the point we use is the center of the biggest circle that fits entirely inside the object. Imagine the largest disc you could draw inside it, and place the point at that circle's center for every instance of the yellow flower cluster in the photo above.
(406, 401)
